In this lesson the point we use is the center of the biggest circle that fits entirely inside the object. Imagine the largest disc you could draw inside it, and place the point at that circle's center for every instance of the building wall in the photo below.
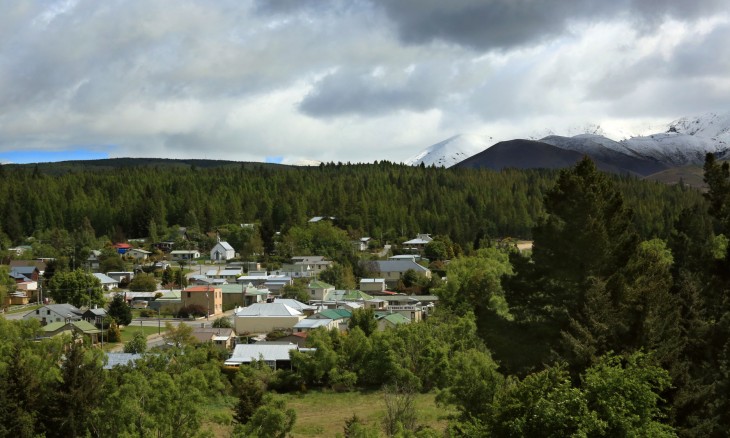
(264, 324)
(213, 302)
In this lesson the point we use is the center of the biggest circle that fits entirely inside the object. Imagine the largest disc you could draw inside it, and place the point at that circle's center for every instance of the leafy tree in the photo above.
(179, 336)
(76, 394)
(119, 310)
(250, 385)
(7, 285)
(222, 322)
(271, 419)
(138, 344)
(296, 291)
(338, 275)
(143, 283)
(76, 287)
(364, 319)
(113, 333)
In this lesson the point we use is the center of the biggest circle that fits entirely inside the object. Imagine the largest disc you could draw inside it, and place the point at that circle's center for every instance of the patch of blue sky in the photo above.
(31, 156)
(275, 160)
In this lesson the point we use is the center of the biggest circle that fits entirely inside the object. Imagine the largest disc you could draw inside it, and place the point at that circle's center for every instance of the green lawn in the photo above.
(323, 413)
(24, 309)
(129, 331)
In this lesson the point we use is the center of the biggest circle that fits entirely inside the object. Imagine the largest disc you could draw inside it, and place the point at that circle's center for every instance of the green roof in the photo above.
(396, 318)
(350, 295)
(316, 284)
(86, 327)
(335, 313)
(170, 295)
(52, 327)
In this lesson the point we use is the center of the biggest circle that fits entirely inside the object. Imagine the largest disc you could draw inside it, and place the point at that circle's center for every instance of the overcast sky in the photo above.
(350, 80)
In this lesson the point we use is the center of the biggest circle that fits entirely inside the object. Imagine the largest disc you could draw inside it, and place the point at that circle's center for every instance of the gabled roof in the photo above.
(334, 314)
(40, 265)
(23, 270)
(119, 359)
(398, 266)
(97, 312)
(85, 327)
(395, 318)
(52, 327)
(61, 309)
(312, 323)
(226, 246)
(267, 310)
(245, 353)
(317, 284)
(349, 295)
(421, 239)
(294, 304)
(105, 279)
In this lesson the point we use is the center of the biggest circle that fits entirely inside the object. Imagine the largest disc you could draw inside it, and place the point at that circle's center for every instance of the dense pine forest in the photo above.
(616, 324)
(384, 200)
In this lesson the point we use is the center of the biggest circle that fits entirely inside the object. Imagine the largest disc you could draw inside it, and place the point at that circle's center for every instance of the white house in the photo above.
(139, 254)
(222, 252)
(107, 283)
(266, 317)
(183, 255)
(54, 313)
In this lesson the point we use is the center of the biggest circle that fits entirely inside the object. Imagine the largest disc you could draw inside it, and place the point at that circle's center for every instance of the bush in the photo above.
(147, 313)
(194, 310)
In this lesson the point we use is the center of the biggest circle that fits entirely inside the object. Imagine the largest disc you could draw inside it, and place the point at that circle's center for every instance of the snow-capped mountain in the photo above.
(452, 150)
(681, 142)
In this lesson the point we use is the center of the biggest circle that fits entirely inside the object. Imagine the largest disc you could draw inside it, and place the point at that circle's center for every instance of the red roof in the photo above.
(201, 289)
(122, 245)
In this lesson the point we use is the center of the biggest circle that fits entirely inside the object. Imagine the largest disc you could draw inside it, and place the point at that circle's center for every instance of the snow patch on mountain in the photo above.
(452, 150)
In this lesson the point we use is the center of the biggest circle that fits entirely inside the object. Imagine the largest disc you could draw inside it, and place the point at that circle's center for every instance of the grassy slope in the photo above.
(323, 413)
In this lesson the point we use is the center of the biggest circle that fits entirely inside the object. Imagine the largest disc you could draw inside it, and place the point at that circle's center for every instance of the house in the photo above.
(306, 309)
(339, 317)
(265, 318)
(54, 313)
(220, 337)
(94, 316)
(392, 270)
(372, 285)
(122, 248)
(298, 338)
(418, 244)
(121, 359)
(307, 324)
(313, 264)
(19, 250)
(165, 246)
(274, 354)
(239, 295)
(210, 298)
(390, 320)
(406, 305)
(257, 278)
(139, 254)
(184, 255)
(15, 298)
(169, 303)
(230, 275)
(222, 252)
(107, 283)
(63, 327)
(362, 244)
(319, 290)
(93, 260)
(121, 276)
(30, 271)
(275, 283)
(316, 219)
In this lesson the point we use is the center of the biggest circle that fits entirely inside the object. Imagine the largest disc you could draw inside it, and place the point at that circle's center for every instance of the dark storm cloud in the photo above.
(357, 92)
(504, 24)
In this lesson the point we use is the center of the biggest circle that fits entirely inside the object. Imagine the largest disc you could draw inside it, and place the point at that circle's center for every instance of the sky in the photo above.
(350, 80)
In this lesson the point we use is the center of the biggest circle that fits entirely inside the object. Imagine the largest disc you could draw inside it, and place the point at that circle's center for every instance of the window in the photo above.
(188, 294)
(37, 311)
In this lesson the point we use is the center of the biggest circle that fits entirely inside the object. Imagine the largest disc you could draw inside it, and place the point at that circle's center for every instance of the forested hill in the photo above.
(61, 167)
(123, 198)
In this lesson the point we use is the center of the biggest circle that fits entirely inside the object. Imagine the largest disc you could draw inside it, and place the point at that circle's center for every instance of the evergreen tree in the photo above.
(119, 310)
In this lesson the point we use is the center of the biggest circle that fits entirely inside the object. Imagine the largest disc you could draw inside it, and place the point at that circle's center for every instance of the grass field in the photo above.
(128, 332)
(323, 413)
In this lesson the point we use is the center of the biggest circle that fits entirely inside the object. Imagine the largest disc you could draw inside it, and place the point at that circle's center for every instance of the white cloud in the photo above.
(345, 80)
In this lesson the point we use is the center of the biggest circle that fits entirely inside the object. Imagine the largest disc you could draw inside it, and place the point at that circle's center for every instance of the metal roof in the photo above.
(267, 309)
(246, 353)
(312, 323)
